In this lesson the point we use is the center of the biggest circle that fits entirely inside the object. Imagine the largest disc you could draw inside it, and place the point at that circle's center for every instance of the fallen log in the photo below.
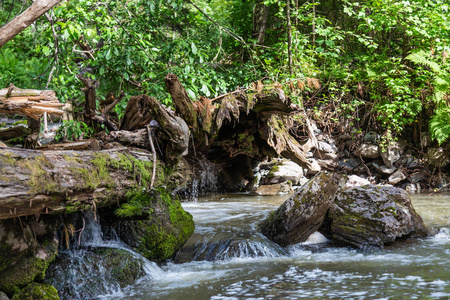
(13, 132)
(36, 182)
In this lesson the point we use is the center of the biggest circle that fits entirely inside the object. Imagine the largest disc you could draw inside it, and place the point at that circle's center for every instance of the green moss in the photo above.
(35, 291)
(41, 180)
(8, 159)
(24, 272)
(167, 226)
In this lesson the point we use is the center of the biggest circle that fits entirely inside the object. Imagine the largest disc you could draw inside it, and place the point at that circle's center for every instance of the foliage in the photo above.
(358, 57)
(72, 131)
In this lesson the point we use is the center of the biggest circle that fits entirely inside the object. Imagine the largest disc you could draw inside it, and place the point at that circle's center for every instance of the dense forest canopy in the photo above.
(379, 63)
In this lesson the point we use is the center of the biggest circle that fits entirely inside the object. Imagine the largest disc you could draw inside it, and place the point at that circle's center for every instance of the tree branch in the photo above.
(19, 23)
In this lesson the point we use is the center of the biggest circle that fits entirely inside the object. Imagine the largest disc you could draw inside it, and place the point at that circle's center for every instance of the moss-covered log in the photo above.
(39, 182)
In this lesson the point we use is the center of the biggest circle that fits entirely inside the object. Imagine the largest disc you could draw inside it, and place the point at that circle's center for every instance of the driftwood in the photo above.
(31, 103)
(90, 144)
(36, 182)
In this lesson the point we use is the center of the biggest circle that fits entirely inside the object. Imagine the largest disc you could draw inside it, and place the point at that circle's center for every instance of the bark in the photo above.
(137, 114)
(137, 138)
(181, 101)
(36, 182)
(79, 146)
(172, 132)
(19, 23)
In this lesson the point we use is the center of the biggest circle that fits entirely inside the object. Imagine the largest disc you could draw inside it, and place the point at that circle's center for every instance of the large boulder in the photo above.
(303, 213)
(373, 216)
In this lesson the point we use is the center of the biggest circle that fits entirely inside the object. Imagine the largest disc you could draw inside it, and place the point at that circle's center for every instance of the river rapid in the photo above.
(226, 258)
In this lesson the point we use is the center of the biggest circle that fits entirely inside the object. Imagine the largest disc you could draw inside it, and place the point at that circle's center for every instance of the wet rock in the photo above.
(438, 157)
(220, 246)
(37, 291)
(392, 152)
(3, 296)
(26, 249)
(383, 169)
(416, 177)
(413, 188)
(303, 213)
(326, 148)
(354, 180)
(371, 137)
(425, 140)
(369, 151)
(88, 273)
(414, 164)
(327, 164)
(374, 216)
(349, 163)
(315, 167)
(274, 189)
(396, 177)
(285, 170)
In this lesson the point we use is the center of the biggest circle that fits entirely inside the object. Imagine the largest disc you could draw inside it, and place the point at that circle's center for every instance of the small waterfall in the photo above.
(205, 180)
(221, 246)
(94, 267)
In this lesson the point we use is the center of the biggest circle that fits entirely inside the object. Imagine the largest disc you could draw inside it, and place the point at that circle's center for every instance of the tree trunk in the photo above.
(260, 16)
(289, 34)
(137, 114)
(36, 182)
(90, 104)
(19, 23)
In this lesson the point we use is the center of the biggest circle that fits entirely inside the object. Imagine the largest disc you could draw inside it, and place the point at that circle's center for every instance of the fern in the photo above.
(440, 125)
(423, 58)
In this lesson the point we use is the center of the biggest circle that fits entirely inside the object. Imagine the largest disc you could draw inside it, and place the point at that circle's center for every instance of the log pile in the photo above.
(28, 102)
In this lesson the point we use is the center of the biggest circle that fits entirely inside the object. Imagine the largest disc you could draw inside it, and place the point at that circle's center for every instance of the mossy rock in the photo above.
(37, 291)
(156, 225)
(374, 216)
(26, 249)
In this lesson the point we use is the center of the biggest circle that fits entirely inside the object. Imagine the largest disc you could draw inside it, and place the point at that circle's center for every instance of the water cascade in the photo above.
(227, 258)
(93, 266)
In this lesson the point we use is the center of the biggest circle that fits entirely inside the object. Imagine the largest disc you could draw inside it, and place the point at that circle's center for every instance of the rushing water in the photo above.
(227, 258)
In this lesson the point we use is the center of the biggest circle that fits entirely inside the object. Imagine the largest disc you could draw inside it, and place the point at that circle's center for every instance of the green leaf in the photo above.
(194, 48)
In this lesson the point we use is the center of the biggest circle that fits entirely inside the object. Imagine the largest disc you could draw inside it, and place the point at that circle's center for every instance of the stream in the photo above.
(226, 258)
